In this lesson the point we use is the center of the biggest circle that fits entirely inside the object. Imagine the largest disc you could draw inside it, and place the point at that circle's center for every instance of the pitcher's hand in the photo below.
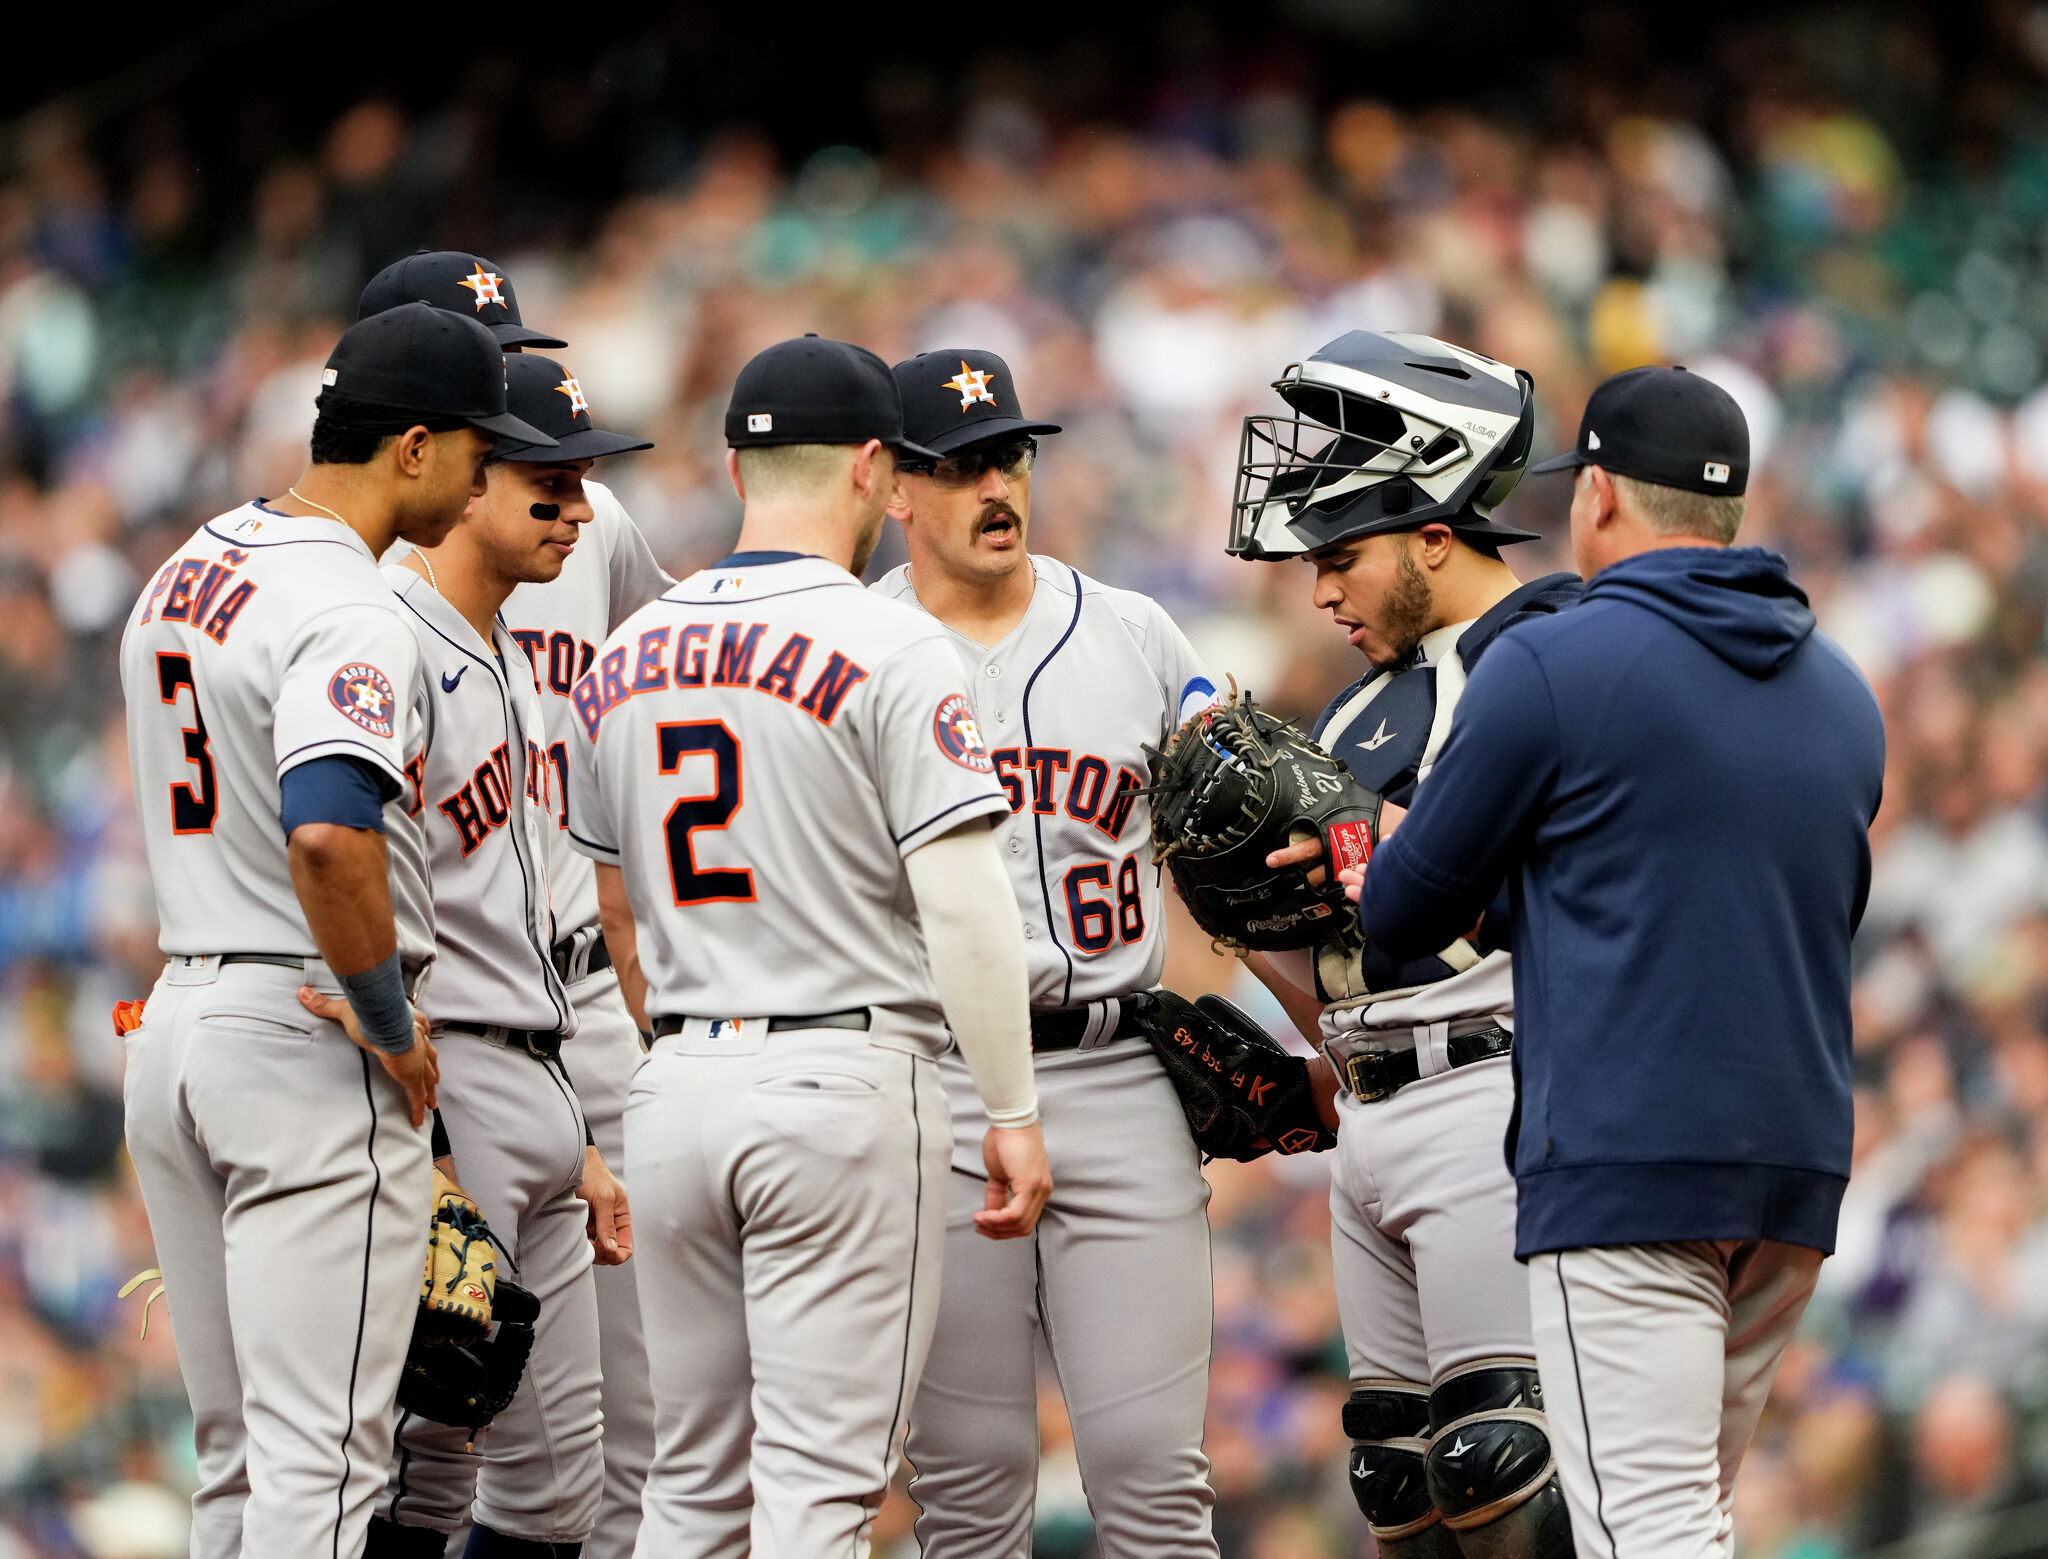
(1019, 1181)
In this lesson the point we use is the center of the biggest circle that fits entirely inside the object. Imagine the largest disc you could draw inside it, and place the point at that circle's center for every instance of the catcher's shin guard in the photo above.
(1489, 1465)
(1388, 1422)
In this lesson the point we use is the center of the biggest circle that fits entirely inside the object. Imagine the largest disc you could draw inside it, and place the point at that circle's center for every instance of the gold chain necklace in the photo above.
(425, 562)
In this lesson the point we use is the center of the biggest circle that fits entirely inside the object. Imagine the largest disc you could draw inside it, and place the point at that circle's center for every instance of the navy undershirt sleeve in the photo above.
(337, 789)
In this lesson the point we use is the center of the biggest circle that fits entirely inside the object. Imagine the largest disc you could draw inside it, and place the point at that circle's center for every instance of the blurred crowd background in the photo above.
(1841, 214)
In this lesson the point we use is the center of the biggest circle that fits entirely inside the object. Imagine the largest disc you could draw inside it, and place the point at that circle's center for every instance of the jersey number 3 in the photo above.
(713, 810)
(191, 811)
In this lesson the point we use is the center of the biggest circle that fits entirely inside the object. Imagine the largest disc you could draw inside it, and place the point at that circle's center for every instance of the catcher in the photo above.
(1383, 475)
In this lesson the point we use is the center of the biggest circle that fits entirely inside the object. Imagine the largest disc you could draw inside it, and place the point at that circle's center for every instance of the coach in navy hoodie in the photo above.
(1676, 780)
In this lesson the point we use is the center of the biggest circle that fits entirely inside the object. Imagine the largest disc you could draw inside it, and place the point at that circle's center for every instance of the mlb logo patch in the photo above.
(760, 422)
(1716, 472)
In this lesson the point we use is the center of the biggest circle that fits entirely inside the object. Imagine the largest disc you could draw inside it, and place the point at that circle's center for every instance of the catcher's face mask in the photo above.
(1390, 432)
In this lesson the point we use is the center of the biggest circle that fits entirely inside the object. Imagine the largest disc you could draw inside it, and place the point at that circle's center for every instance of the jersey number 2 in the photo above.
(713, 810)
(191, 811)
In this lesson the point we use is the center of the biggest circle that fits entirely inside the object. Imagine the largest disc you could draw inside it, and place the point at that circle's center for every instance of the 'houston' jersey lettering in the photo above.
(757, 750)
(1067, 703)
(485, 796)
(267, 641)
(610, 576)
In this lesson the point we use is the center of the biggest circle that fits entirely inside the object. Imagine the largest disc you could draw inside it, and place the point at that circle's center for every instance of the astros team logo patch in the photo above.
(363, 693)
(972, 383)
(574, 391)
(958, 736)
(485, 285)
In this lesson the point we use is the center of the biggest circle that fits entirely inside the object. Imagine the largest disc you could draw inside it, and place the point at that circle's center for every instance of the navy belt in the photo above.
(545, 1043)
(1063, 1028)
(568, 970)
(1373, 1075)
(855, 1018)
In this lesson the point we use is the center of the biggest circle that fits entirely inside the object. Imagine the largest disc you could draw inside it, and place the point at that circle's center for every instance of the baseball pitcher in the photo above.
(1071, 682)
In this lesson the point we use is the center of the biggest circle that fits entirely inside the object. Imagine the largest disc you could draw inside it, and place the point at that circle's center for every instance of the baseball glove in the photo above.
(462, 1268)
(1243, 1095)
(1235, 784)
(469, 1384)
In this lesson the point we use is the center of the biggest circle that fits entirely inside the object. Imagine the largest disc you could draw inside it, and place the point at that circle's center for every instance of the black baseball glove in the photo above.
(469, 1384)
(1243, 1095)
(1236, 784)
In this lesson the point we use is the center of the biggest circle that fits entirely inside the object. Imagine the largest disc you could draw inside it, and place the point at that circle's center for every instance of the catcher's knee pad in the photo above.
(389, 1540)
(1388, 1422)
(1489, 1465)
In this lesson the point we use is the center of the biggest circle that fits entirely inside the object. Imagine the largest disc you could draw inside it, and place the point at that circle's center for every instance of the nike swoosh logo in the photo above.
(1379, 738)
(448, 682)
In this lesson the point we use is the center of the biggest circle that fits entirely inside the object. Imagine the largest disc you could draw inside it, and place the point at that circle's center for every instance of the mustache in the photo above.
(995, 510)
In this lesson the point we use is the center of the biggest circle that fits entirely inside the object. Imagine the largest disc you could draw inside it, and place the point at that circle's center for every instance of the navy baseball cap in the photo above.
(955, 398)
(1666, 426)
(420, 361)
(459, 282)
(815, 390)
(541, 391)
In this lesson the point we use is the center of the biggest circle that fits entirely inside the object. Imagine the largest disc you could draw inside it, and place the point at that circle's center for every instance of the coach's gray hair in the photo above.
(784, 470)
(1673, 511)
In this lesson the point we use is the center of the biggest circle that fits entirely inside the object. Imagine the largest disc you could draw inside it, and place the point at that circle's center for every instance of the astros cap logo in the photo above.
(569, 387)
(485, 285)
(972, 383)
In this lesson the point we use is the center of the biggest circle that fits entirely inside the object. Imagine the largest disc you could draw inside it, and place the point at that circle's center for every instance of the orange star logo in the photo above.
(972, 383)
(485, 285)
(569, 387)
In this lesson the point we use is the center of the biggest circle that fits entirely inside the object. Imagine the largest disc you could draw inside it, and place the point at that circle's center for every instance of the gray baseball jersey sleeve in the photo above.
(267, 642)
(486, 805)
(610, 576)
(769, 739)
(1065, 704)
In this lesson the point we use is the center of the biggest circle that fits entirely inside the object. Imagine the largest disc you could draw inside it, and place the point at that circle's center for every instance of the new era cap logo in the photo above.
(1716, 472)
(760, 422)
(1592, 439)
(328, 376)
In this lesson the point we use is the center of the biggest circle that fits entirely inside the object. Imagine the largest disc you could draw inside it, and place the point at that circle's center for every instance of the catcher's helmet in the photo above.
(1391, 432)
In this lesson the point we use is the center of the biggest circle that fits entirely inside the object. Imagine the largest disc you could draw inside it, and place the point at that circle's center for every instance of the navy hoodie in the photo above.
(1677, 779)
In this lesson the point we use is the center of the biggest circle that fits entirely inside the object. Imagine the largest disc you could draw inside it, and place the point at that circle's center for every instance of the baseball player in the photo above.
(1395, 452)
(1070, 682)
(781, 779)
(559, 623)
(498, 1004)
(287, 1178)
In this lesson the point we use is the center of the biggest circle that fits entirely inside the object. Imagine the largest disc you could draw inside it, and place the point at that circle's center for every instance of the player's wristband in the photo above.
(378, 995)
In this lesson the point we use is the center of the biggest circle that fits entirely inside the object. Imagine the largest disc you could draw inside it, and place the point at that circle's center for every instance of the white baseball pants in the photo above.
(789, 1198)
(287, 1193)
(1656, 1361)
(601, 1060)
(517, 1138)
(1118, 1279)
(1422, 1228)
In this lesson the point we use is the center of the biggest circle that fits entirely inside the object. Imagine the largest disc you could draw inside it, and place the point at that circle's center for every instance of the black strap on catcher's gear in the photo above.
(469, 1385)
(1489, 1464)
(1235, 784)
(1387, 1422)
(1244, 1095)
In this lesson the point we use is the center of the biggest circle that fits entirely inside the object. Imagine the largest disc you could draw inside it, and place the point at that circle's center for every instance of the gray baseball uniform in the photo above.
(513, 1124)
(1434, 1307)
(1068, 702)
(609, 576)
(760, 748)
(286, 1185)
